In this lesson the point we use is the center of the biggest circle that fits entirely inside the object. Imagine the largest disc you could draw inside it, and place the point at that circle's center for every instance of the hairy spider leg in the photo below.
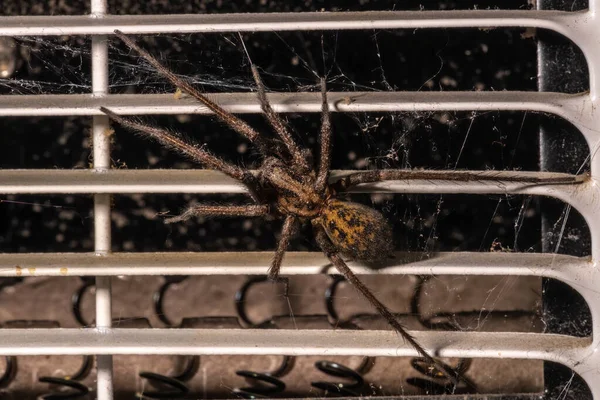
(278, 124)
(335, 258)
(248, 210)
(192, 150)
(325, 140)
(287, 232)
(227, 118)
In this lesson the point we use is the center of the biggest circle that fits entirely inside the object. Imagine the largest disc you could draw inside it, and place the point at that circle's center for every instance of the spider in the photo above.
(290, 186)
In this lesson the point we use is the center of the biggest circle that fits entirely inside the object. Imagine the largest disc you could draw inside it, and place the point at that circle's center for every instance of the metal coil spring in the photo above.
(174, 386)
(10, 371)
(88, 282)
(73, 389)
(170, 387)
(159, 296)
(353, 382)
(437, 382)
(69, 387)
(263, 384)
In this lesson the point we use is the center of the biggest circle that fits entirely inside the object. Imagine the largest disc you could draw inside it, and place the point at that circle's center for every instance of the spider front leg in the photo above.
(334, 256)
(325, 140)
(278, 124)
(235, 123)
(189, 149)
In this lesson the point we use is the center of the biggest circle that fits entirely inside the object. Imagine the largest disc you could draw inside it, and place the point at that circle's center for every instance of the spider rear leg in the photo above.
(224, 116)
(249, 210)
(334, 256)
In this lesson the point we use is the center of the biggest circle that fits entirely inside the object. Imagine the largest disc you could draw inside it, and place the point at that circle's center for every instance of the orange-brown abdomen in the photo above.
(357, 230)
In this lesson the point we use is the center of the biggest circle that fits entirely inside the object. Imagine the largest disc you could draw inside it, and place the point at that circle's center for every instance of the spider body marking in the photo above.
(356, 230)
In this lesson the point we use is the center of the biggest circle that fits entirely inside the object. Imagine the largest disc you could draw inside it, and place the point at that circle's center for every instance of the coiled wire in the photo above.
(170, 387)
(437, 382)
(69, 386)
(77, 389)
(159, 296)
(88, 283)
(263, 384)
(10, 371)
(353, 381)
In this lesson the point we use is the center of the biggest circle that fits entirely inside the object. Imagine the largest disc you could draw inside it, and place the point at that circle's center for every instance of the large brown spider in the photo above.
(289, 186)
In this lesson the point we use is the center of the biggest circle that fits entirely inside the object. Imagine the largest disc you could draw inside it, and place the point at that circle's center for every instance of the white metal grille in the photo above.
(579, 354)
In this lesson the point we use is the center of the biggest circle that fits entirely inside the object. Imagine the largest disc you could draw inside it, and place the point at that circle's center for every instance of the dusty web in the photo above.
(423, 224)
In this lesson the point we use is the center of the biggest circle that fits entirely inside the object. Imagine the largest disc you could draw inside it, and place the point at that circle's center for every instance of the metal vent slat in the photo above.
(575, 108)
(100, 24)
(559, 348)
(575, 271)
(33, 181)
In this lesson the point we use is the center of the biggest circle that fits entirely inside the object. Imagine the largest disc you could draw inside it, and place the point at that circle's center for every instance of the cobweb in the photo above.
(352, 62)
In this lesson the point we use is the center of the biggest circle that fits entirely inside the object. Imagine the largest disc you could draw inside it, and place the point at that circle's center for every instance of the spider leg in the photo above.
(335, 258)
(278, 123)
(325, 139)
(189, 149)
(287, 232)
(379, 175)
(224, 116)
(250, 210)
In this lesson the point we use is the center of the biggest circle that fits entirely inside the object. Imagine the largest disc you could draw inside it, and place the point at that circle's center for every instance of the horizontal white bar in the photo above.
(559, 348)
(47, 181)
(254, 22)
(295, 263)
(296, 102)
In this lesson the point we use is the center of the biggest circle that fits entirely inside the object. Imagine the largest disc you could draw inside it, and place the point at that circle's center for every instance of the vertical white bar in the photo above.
(102, 231)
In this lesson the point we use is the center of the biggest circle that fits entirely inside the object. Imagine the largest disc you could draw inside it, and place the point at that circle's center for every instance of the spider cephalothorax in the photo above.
(290, 186)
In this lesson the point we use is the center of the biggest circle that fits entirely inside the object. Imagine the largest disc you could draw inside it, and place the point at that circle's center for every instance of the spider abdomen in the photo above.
(357, 230)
